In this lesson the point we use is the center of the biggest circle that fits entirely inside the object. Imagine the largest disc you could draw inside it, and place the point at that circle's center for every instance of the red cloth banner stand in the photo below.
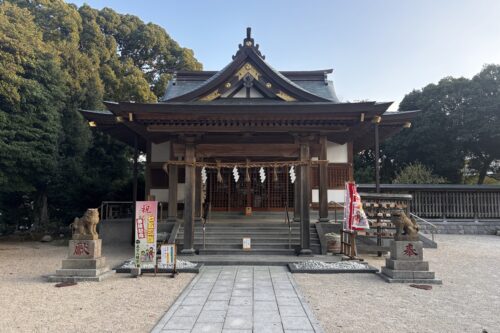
(354, 220)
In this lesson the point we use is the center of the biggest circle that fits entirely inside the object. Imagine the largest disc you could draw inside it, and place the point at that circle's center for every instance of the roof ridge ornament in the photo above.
(250, 43)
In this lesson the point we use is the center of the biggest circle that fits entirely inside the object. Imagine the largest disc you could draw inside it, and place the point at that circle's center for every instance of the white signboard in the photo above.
(168, 254)
(247, 243)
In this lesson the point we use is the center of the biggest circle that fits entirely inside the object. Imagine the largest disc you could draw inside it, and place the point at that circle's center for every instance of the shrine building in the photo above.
(260, 120)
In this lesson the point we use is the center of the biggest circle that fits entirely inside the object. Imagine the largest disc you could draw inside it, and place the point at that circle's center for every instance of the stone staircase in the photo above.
(224, 237)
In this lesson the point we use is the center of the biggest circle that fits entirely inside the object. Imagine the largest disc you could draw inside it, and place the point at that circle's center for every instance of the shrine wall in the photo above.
(160, 152)
(333, 195)
(337, 153)
(162, 194)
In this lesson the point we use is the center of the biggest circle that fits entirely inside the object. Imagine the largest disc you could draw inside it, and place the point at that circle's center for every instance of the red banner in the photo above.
(354, 215)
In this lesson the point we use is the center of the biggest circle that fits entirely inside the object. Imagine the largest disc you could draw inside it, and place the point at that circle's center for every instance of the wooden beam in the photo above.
(246, 150)
(296, 189)
(147, 171)
(323, 181)
(305, 195)
(176, 128)
(198, 204)
(189, 200)
(173, 179)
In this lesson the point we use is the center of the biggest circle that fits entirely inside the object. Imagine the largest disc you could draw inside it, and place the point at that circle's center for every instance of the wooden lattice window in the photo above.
(230, 195)
(338, 174)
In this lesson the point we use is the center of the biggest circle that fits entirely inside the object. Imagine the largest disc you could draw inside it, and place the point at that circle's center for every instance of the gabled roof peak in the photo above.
(250, 43)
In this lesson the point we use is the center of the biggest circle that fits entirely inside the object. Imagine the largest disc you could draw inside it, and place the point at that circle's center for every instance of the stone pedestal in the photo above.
(84, 263)
(406, 264)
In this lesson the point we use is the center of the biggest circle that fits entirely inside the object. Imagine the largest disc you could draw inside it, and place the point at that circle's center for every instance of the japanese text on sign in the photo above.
(145, 232)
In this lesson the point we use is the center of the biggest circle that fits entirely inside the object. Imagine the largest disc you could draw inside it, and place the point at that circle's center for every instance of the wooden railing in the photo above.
(448, 201)
(112, 210)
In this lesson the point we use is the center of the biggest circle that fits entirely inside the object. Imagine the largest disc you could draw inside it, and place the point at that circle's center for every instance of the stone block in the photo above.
(82, 272)
(79, 278)
(407, 250)
(135, 271)
(85, 237)
(419, 281)
(407, 265)
(84, 263)
(395, 274)
(84, 249)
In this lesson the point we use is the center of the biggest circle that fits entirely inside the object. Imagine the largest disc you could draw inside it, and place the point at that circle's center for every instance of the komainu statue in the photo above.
(406, 227)
(85, 226)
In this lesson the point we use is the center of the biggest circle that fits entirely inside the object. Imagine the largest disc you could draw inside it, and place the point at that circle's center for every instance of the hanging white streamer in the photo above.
(204, 175)
(236, 174)
(262, 174)
(292, 174)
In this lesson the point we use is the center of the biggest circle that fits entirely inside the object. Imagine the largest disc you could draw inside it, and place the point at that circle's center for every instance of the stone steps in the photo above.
(217, 251)
(266, 238)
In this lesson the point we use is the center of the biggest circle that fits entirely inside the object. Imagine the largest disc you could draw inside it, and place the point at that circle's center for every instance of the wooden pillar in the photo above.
(323, 182)
(134, 187)
(198, 202)
(377, 179)
(377, 159)
(173, 180)
(305, 199)
(296, 198)
(189, 200)
(147, 171)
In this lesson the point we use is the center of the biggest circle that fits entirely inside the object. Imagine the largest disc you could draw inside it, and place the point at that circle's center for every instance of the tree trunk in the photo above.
(41, 212)
(483, 171)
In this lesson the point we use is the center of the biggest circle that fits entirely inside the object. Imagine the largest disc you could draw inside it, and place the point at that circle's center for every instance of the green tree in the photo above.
(32, 95)
(458, 126)
(479, 124)
(432, 139)
(416, 173)
(56, 58)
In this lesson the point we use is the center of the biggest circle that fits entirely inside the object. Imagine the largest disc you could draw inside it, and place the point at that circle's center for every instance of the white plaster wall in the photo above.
(333, 195)
(336, 153)
(242, 93)
(162, 194)
(159, 194)
(160, 152)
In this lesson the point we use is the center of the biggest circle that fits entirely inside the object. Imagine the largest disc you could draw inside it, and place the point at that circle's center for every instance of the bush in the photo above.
(417, 173)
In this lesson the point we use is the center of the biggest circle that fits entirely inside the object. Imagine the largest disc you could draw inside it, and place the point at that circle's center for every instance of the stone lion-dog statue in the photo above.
(406, 227)
(85, 227)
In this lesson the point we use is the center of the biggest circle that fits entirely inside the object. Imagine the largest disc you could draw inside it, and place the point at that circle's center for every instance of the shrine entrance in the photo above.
(274, 194)
(248, 111)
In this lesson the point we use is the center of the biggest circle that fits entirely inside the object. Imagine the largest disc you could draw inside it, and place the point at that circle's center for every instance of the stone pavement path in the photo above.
(240, 299)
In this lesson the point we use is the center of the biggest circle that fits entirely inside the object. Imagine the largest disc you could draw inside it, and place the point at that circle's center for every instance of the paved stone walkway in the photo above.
(240, 299)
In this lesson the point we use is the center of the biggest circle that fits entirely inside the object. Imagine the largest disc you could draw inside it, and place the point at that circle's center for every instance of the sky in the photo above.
(379, 50)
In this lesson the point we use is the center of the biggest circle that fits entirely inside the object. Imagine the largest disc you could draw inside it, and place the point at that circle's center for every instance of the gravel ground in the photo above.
(468, 300)
(119, 304)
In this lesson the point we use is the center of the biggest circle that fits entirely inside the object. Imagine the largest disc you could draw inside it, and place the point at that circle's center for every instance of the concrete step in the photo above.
(396, 274)
(239, 246)
(246, 229)
(240, 232)
(222, 251)
(266, 237)
(253, 240)
(82, 272)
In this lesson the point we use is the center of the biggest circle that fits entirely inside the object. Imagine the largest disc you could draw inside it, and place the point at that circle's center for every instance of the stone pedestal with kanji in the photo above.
(84, 263)
(406, 264)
